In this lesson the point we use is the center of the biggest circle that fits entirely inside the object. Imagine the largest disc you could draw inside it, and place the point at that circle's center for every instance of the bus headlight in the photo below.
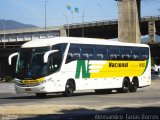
(17, 82)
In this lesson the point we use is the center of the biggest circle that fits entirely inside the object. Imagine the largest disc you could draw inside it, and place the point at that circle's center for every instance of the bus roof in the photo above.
(79, 40)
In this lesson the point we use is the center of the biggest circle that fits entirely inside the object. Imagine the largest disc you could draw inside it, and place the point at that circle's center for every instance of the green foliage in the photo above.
(8, 79)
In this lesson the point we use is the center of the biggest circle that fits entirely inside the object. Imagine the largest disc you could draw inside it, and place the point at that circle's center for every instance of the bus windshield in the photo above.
(30, 63)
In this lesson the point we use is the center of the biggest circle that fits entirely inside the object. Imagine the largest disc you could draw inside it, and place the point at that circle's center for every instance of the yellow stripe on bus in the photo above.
(120, 69)
(33, 81)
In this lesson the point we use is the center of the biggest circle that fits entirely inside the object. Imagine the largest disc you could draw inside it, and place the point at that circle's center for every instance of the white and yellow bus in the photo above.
(67, 64)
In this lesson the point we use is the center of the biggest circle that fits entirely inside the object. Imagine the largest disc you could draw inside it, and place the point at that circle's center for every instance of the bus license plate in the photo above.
(28, 89)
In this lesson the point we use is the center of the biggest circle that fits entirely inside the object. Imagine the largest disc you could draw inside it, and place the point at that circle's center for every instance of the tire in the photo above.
(133, 87)
(69, 89)
(40, 95)
(125, 87)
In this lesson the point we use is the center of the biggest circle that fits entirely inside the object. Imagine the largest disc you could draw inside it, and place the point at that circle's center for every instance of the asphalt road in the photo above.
(143, 104)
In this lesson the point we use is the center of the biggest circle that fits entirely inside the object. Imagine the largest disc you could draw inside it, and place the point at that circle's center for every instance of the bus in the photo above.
(67, 64)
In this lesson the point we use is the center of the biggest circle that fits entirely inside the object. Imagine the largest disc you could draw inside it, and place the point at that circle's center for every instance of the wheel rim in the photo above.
(133, 87)
(126, 86)
(69, 89)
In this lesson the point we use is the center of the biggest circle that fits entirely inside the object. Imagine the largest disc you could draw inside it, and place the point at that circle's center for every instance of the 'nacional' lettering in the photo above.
(118, 64)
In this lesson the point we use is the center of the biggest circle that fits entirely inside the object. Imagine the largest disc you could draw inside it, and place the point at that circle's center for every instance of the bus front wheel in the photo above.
(69, 89)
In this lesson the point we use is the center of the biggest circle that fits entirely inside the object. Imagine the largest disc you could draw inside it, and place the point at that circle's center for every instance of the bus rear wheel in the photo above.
(125, 87)
(69, 89)
(133, 86)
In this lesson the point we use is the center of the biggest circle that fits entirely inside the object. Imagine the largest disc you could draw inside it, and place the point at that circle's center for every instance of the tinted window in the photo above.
(144, 53)
(54, 62)
(114, 53)
(74, 53)
(87, 52)
(126, 53)
(136, 53)
(101, 52)
(60, 47)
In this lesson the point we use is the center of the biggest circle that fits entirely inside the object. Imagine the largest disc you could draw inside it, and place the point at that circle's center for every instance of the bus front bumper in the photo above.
(35, 89)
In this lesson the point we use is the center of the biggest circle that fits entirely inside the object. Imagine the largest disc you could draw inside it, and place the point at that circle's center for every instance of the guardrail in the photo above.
(145, 18)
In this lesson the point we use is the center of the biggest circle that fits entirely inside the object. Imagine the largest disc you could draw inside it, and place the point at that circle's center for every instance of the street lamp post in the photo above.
(159, 10)
(45, 19)
(83, 21)
(67, 23)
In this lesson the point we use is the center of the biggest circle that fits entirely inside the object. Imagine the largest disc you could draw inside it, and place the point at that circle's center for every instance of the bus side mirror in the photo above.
(47, 54)
(11, 56)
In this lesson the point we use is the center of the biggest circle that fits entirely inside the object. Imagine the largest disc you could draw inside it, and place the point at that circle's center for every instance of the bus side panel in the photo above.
(100, 74)
(88, 75)
(145, 79)
(71, 72)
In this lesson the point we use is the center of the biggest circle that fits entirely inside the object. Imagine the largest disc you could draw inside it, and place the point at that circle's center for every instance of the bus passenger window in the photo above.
(144, 57)
(100, 56)
(101, 52)
(54, 62)
(91, 56)
(76, 56)
(114, 54)
(61, 47)
(85, 56)
(73, 54)
(88, 53)
(126, 53)
(69, 56)
(144, 54)
(135, 54)
(126, 56)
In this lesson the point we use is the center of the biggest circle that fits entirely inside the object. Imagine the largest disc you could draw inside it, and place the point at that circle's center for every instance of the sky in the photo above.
(57, 14)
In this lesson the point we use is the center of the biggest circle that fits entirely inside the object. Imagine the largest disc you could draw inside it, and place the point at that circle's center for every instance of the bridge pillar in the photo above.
(128, 21)
(151, 32)
(63, 32)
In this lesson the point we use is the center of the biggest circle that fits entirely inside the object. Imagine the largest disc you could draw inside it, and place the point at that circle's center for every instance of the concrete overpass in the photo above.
(98, 29)
(109, 29)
